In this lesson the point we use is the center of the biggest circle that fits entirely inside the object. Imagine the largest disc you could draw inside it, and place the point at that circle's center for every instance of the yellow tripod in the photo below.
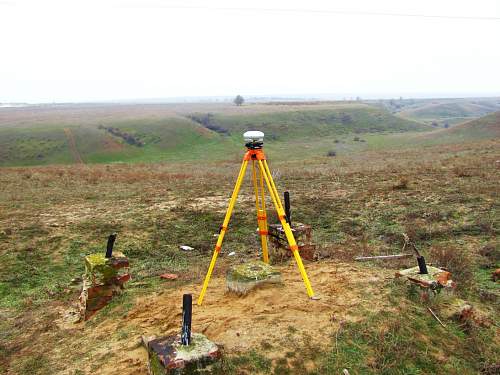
(258, 159)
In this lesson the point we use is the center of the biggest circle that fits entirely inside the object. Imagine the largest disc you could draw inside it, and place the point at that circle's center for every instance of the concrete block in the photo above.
(104, 278)
(435, 282)
(242, 278)
(168, 356)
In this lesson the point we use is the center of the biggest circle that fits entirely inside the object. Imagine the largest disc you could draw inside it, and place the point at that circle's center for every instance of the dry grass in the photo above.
(51, 216)
(460, 262)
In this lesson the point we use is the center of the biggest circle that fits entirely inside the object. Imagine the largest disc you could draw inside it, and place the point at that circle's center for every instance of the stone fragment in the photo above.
(242, 278)
(168, 356)
(457, 309)
(464, 312)
(496, 275)
(169, 276)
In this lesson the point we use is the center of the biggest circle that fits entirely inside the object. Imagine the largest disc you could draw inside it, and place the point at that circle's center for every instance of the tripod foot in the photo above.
(315, 298)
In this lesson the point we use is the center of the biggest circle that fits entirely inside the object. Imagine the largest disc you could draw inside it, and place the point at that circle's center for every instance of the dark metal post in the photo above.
(111, 243)
(421, 265)
(187, 312)
(287, 208)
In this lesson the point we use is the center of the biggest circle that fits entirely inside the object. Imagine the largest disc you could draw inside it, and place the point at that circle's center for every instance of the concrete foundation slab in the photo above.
(242, 278)
(168, 356)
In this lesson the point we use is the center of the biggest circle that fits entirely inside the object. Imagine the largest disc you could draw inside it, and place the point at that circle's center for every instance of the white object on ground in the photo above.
(231, 253)
(186, 248)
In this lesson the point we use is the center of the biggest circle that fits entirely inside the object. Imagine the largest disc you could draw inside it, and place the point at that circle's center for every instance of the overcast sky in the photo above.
(85, 50)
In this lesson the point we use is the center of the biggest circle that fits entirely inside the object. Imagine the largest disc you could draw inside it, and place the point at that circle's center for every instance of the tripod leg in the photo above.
(275, 191)
(263, 222)
(223, 229)
(286, 227)
(255, 187)
(261, 216)
(262, 190)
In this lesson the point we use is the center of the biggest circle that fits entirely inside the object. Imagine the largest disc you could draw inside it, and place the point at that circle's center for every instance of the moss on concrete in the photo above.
(97, 266)
(252, 271)
(168, 356)
(242, 278)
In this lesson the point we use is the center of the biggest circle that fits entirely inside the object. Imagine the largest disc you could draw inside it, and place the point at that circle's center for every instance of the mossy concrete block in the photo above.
(101, 269)
(241, 278)
(104, 278)
(426, 286)
(434, 276)
(168, 356)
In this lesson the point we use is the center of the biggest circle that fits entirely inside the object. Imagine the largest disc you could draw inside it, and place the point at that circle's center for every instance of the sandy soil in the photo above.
(266, 314)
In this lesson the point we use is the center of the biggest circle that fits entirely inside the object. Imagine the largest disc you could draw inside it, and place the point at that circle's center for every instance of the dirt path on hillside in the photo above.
(268, 314)
(72, 146)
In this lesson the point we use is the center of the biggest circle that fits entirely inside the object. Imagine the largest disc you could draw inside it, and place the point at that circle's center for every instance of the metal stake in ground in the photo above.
(287, 208)
(111, 243)
(422, 266)
(187, 312)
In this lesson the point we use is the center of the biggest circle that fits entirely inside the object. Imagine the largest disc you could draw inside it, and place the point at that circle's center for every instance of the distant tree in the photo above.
(331, 153)
(239, 100)
(434, 123)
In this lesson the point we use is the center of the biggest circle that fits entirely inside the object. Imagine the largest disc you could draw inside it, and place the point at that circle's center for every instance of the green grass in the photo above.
(177, 138)
(295, 124)
(450, 111)
(29, 146)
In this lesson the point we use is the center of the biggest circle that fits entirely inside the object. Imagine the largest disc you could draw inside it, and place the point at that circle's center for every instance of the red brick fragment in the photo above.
(169, 276)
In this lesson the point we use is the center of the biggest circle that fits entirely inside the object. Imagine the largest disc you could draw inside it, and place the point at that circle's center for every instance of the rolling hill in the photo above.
(481, 128)
(311, 122)
(94, 134)
(444, 112)
(166, 132)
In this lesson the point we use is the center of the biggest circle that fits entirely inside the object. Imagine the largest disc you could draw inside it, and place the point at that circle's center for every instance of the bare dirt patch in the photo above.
(240, 324)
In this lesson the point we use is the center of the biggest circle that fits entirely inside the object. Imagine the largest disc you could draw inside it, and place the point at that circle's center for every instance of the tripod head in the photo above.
(254, 139)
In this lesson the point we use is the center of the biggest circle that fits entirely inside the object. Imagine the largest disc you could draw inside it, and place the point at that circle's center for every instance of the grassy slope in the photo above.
(335, 121)
(487, 127)
(484, 127)
(452, 112)
(169, 136)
